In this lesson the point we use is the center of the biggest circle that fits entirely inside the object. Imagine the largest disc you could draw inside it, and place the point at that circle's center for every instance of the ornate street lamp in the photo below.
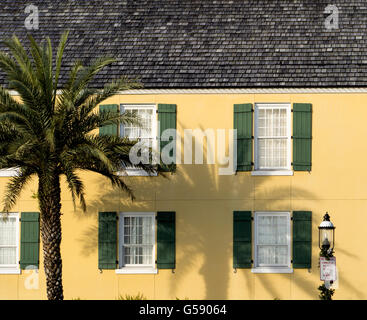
(327, 260)
(326, 235)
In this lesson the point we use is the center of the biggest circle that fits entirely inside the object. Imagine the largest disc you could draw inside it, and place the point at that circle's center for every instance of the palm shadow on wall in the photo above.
(192, 244)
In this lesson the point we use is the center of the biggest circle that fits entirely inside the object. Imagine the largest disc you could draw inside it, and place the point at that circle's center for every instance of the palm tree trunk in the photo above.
(49, 194)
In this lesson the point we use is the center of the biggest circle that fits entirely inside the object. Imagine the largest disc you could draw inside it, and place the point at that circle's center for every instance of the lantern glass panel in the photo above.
(326, 235)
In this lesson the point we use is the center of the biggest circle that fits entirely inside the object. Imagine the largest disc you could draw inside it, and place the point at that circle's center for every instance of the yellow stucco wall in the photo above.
(204, 203)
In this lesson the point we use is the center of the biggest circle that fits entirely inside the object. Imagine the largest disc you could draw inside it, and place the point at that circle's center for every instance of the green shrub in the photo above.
(325, 293)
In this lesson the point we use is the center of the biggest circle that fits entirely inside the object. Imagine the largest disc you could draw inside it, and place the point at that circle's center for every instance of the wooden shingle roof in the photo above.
(206, 43)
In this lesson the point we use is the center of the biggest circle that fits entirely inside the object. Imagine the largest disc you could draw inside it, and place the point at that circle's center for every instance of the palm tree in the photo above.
(48, 133)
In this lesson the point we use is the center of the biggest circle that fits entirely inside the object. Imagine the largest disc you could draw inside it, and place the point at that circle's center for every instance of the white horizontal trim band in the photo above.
(245, 91)
(9, 271)
(136, 270)
(272, 173)
(8, 172)
(234, 91)
(136, 173)
(272, 270)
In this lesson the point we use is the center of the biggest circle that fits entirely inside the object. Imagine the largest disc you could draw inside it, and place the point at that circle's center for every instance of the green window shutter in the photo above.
(110, 129)
(243, 114)
(107, 240)
(302, 136)
(166, 240)
(167, 120)
(29, 239)
(242, 239)
(302, 239)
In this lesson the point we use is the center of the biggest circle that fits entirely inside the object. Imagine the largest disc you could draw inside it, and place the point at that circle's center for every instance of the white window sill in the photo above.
(9, 271)
(136, 173)
(8, 172)
(272, 173)
(272, 270)
(137, 270)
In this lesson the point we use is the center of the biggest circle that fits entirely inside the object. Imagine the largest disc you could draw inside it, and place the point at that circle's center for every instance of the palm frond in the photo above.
(23, 61)
(89, 152)
(14, 188)
(59, 55)
(42, 58)
(20, 72)
(115, 180)
(76, 187)
(88, 73)
(109, 90)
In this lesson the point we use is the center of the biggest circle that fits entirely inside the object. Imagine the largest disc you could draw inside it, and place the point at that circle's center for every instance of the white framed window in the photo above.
(272, 243)
(272, 138)
(137, 242)
(9, 243)
(146, 133)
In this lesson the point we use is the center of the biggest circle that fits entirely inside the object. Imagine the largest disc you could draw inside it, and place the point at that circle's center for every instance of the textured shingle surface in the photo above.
(206, 43)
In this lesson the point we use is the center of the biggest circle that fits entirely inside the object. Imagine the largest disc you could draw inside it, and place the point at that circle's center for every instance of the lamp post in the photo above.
(327, 260)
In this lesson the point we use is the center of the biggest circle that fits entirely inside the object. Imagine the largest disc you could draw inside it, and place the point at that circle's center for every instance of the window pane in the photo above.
(261, 123)
(272, 122)
(133, 230)
(272, 230)
(147, 230)
(8, 231)
(268, 122)
(147, 254)
(272, 240)
(127, 255)
(128, 132)
(145, 131)
(272, 255)
(272, 153)
(8, 256)
(283, 123)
